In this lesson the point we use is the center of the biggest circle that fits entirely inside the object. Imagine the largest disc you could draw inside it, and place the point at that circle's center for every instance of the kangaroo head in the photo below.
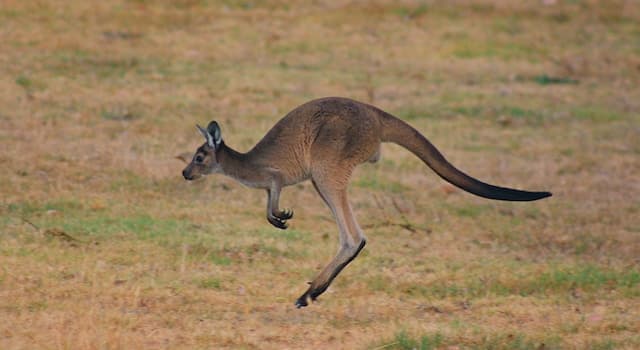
(205, 160)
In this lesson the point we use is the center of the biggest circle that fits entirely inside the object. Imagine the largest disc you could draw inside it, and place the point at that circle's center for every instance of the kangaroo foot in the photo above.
(277, 222)
(284, 214)
(302, 301)
(312, 293)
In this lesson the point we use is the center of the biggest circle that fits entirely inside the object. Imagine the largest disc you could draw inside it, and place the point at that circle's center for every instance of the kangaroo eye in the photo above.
(199, 159)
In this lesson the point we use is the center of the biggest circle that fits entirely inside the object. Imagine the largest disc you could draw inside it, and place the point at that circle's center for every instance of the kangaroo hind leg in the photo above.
(352, 240)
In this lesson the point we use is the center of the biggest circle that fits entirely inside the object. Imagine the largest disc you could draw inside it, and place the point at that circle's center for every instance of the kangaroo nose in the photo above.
(184, 174)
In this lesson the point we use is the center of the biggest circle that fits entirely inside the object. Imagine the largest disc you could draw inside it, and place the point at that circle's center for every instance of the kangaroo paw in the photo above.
(284, 214)
(277, 222)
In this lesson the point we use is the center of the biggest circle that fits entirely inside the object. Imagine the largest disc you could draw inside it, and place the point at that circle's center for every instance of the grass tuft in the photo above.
(506, 341)
(549, 80)
(210, 283)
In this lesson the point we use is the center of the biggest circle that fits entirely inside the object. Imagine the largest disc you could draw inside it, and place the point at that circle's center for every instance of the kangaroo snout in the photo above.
(186, 175)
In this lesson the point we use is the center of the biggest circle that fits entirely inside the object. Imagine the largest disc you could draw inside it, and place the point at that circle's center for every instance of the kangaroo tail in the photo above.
(401, 133)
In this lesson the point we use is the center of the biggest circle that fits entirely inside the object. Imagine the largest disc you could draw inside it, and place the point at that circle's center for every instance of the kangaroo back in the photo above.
(401, 133)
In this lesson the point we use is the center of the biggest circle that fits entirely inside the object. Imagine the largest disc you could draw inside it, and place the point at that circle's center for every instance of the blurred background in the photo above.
(104, 245)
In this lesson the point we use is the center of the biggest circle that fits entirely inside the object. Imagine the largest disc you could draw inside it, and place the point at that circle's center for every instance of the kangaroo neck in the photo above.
(240, 167)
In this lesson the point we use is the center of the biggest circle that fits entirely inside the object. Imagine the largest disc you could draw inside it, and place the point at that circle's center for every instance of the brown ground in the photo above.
(103, 245)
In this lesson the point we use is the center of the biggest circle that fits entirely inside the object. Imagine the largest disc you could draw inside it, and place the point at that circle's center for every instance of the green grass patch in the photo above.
(74, 217)
(519, 112)
(372, 182)
(237, 4)
(29, 209)
(411, 12)
(265, 250)
(549, 80)
(416, 112)
(37, 306)
(507, 51)
(141, 226)
(484, 111)
(559, 17)
(532, 117)
(632, 342)
(437, 340)
(468, 210)
(298, 47)
(517, 342)
(290, 235)
(219, 259)
(210, 283)
(9, 13)
(596, 114)
(467, 111)
(404, 341)
(507, 25)
(84, 63)
(254, 250)
(80, 62)
(604, 344)
(589, 278)
(412, 114)
(545, 79)
(29, 84)
(24, 81)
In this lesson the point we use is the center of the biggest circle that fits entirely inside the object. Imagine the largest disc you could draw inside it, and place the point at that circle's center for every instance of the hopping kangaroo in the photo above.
(324, 140)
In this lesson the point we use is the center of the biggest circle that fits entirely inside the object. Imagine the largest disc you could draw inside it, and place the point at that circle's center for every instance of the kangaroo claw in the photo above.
(277, 222)
(284, 214)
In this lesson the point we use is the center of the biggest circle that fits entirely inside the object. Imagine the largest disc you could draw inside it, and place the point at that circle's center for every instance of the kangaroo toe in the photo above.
(277, 222)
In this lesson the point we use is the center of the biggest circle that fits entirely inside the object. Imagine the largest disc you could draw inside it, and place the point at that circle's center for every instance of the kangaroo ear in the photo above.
(206, 135)
(214, 130)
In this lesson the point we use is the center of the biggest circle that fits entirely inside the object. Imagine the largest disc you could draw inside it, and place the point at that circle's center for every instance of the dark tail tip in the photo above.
(510, 194)
(541, 195)
(530, 196)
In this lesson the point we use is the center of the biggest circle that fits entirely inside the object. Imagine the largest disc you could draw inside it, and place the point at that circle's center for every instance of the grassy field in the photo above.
(104, 246)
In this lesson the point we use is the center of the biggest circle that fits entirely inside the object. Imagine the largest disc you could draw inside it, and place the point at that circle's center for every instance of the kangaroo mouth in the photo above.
(190, 177)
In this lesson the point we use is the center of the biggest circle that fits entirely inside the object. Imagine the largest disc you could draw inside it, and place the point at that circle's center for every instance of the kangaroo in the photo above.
(323, 141)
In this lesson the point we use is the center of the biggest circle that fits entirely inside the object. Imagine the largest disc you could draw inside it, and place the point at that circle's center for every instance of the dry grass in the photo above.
(103, 245)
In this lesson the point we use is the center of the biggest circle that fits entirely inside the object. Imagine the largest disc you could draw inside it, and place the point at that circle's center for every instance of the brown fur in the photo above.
(324, 140)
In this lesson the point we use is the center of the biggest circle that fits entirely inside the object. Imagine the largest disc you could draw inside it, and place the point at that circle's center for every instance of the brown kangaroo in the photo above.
(323, 140)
